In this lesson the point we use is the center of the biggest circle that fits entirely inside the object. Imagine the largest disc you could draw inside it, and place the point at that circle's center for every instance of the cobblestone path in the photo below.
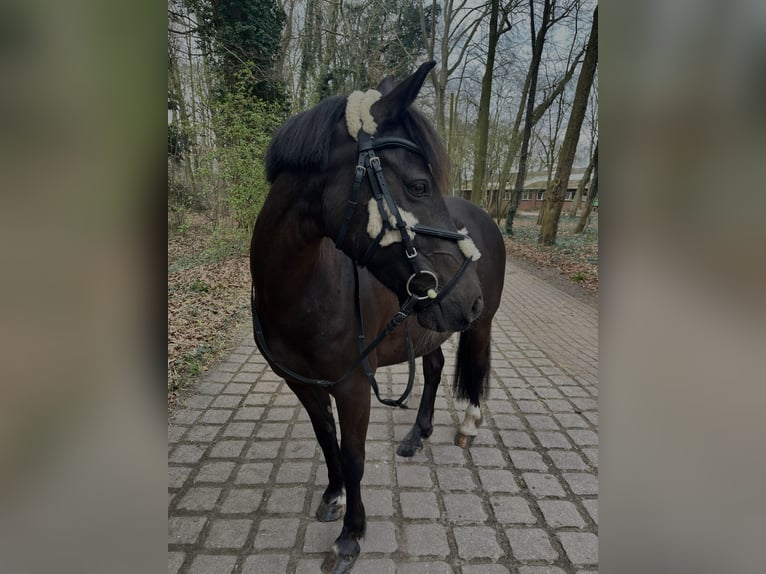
(245, 473)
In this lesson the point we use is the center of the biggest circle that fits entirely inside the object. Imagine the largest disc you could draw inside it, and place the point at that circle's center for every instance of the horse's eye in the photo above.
(419, 189)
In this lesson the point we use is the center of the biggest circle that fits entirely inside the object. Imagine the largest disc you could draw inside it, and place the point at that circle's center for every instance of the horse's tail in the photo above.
(472, 365)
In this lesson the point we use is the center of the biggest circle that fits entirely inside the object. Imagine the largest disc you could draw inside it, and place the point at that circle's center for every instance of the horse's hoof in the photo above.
(338, 562)
(331, 511)
(463, 440)
(408, 449)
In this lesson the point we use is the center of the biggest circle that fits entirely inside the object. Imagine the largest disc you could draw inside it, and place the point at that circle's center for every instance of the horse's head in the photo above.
(383, 203)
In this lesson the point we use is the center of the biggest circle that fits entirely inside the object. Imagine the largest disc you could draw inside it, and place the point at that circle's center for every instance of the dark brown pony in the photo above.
(305, 291)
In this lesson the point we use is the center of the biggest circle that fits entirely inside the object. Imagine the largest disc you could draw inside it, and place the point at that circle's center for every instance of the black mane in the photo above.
(302, 143)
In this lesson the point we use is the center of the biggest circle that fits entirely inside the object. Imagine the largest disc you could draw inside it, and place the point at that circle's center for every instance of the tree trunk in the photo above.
(478, 192)
(583, 182)
(538, 39)
(554, 199)
(591, 198)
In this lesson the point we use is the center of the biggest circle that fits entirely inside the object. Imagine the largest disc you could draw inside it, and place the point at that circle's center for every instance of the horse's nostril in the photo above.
(477, 307)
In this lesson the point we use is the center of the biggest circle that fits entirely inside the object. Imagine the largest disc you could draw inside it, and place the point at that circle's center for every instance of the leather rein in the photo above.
(369, 165)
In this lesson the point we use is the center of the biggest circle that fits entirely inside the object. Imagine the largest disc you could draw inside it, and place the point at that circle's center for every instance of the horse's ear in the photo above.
(401, 96)
(386, 84)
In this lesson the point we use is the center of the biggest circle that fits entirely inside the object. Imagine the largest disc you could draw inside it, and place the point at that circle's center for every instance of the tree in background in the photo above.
(592, 196)
(537, 39)
(554, 195)
(242, 35)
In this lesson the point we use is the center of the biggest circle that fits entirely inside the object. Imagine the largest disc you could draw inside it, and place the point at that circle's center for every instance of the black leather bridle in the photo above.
(369, 165)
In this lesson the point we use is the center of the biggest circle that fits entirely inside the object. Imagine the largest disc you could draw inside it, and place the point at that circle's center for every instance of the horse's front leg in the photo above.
(353, 401)
(433, 363)
(316, 401)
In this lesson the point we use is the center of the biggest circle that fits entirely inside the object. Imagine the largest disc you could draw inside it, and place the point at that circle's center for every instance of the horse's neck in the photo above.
(290, 260)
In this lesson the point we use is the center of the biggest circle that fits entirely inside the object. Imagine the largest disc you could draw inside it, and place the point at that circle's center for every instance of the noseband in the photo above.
(368, 164)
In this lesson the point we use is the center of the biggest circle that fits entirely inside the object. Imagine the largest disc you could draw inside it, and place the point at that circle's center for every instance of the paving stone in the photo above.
(581, 482)
(175, 559)
(511, 510)
(209, 388)
(541, 484)
(454, 478)
(542, 422)
(253, 473)
(583, 437)
(592, 454)
(580, 547)
(264, 450)
(530, 544)
(376, 474)
(380, 537)
(185, 529)
(199, 498)
(527, 460)
(256, 399)
(177, 475)
(272, 430)
(227, 401)
(485, 569)
(228, 533)
(498, 480)
(448, 455)
(413, 476)
(242, 501)
(204, 564)
(301, 449)
(215, 472)
(175, 433)
(540, 570)
(585, 404)
(320, 536)
(419, 505)
(423, 568)
(248, 414)
(378, 502)
(291, 472)
(279, 414)
(560, 513)
(202, 433)
(550, 439)
(517, 439)
(531, 407)
(276, 533)
(477, 542)
(374, 566)
(567, 460)
(239, 429)
(187, 454)
(559, 405)
(308, 566)
(286, 500)
(484, 456)
(571, 420)
(592, 507)
(215, 416)
(464, 508)
(265, 564)
(504, 421)
(426, 540)
(198, 401)
(227, 449)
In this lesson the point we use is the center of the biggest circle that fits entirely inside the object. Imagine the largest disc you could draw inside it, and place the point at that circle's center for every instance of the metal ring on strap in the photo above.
(430, 293)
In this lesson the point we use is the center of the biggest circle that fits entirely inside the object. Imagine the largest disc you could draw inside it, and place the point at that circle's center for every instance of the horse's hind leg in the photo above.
(316, 401)
(353, 403)
(433, 363)
(472, 377)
